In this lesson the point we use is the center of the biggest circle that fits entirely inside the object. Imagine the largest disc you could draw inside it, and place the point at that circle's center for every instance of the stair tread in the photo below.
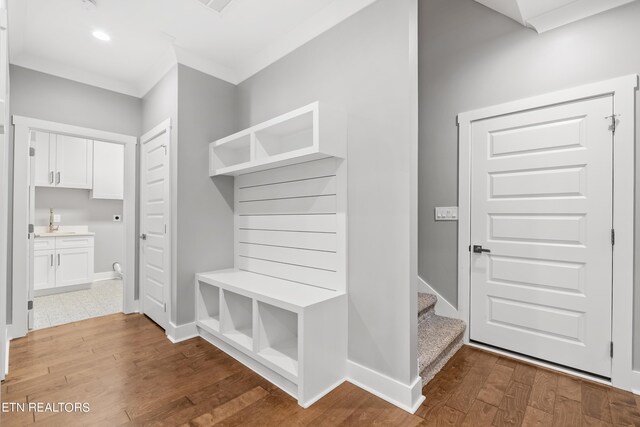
(435, 335)
(425, 302)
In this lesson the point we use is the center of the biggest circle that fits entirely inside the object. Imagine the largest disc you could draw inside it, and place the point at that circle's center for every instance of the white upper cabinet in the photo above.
(108, 171)
(62, 161)
(74, 162)
(45, 169)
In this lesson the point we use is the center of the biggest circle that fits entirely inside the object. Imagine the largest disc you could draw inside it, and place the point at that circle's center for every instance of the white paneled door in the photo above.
(154, 244)
(541, 233)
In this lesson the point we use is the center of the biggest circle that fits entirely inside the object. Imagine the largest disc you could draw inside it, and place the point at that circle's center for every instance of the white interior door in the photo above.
(154, 247)
(541, 192)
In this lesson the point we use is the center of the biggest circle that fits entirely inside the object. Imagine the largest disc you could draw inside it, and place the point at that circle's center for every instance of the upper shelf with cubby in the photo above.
(308, 133)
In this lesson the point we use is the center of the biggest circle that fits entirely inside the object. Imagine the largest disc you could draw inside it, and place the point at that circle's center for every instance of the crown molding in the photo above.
(76, 74)
(547, 15)
(327, 18)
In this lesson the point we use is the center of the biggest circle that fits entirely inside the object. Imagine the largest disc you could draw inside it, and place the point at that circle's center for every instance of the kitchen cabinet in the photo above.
(108, 171)
(62, 161)
(62, 261)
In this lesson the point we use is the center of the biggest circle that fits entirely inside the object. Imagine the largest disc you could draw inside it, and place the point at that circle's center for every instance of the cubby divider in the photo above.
(278, 337)
(208, 306)
(237, 318)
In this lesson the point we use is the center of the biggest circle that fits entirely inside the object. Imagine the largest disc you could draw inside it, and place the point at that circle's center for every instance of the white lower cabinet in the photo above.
(44, 270)
(67, 261)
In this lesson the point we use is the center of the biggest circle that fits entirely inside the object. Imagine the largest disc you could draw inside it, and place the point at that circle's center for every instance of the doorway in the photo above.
(541, 224)
(545, 245)
(155, 224)
(55, 260)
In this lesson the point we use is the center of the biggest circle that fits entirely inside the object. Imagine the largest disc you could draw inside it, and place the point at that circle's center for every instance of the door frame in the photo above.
(623, 91)
(162, 128)
(21, 182)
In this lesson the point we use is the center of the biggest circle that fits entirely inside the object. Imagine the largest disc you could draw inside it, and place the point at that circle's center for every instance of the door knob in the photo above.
(477, 249)
(143, 236)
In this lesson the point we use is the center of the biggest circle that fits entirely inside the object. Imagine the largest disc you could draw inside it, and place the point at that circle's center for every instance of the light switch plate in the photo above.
(447, 213)
(57, 218)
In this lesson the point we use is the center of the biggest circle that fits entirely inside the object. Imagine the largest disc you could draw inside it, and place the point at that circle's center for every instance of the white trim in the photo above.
(443, 307)
(623, 91)
(181, 333)
(234, 73)
(540, 363)
(64, 71)
(22, 127)
(163, 127)
(107, 275)
(330, 16)
(407, 397)
(55, 127)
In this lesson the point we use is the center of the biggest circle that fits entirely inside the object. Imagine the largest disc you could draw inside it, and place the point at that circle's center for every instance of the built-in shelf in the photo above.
(308, 133)
(278, 337)
(237, 318)
(208, 310)
(294, 330)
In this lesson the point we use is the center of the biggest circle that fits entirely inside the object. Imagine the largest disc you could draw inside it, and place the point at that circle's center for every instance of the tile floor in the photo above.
(103, 298)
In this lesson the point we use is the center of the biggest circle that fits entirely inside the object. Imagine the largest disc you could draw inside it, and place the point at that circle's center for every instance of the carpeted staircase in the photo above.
(439, 337)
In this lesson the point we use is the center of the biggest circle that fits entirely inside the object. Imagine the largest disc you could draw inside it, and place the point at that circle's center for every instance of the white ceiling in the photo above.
(149, 36)
(545, 15)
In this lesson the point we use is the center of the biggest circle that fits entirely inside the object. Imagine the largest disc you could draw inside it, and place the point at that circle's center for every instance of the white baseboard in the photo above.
(6, 355)
(407, 397)
(107, 275)
(635, 380)
(180, 333)
(443, 307)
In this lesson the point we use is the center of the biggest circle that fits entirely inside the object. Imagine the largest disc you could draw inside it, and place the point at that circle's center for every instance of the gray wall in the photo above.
(77, 208)
(472, 57)
(207, 110)
(43, 96)
(158, 105)
(202, 109)
(364, 66)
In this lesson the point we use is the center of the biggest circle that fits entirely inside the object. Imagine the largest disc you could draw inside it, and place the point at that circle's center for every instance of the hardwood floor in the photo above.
(130, 374)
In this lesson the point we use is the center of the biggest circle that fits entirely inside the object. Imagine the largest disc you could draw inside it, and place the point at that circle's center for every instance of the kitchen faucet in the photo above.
(52, 228)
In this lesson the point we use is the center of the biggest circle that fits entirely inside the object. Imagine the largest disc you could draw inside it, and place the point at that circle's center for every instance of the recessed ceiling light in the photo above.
(101, 35)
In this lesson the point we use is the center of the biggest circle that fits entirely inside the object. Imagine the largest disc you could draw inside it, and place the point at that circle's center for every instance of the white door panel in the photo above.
(542, 204)
(155, 249)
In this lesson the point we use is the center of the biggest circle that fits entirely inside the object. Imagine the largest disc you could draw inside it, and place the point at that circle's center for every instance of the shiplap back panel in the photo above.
(288, 223)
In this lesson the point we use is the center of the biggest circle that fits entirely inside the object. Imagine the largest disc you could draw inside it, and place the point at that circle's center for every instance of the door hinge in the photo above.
(613, 237)
(165, 307)
(31, 228)
(29, 305)
(614, 122)
(32, 151)
(611, 349)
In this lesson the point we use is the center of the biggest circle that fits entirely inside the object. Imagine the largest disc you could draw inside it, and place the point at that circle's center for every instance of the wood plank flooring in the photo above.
(130, 374)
